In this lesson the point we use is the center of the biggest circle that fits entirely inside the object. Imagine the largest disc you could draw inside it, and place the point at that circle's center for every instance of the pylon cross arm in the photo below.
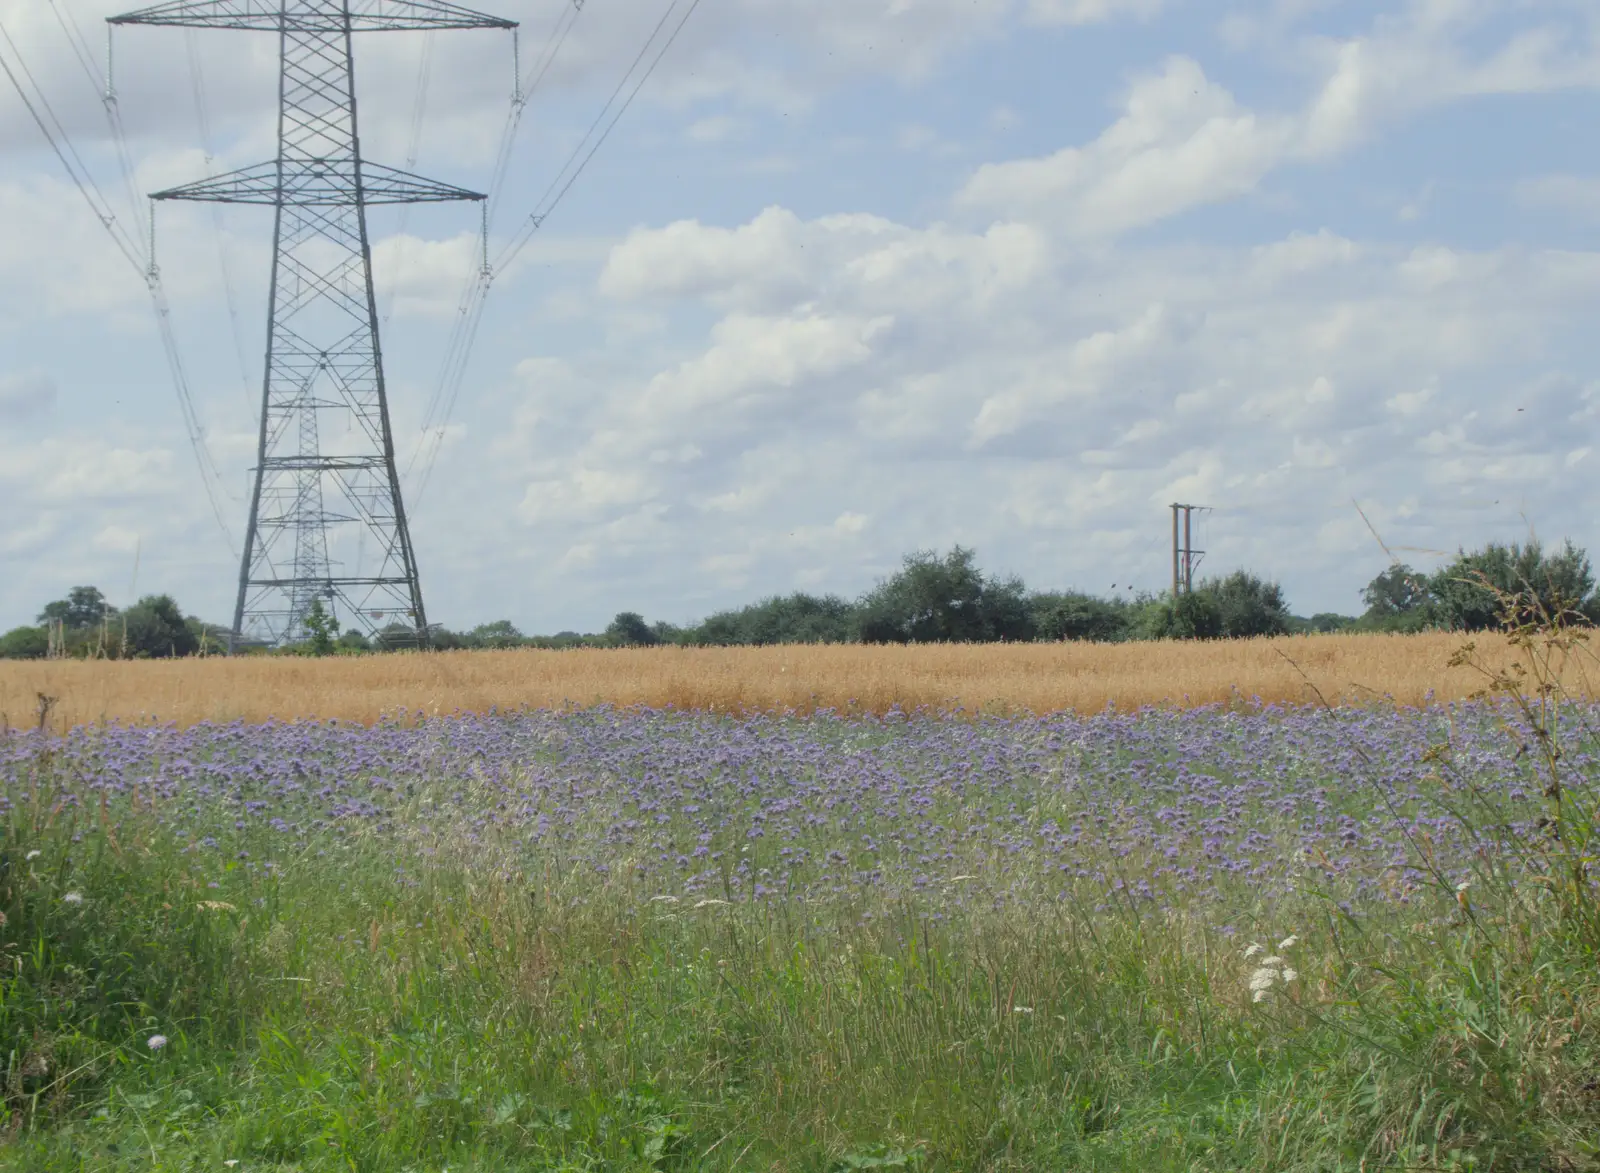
(317, 183)
(277, 16)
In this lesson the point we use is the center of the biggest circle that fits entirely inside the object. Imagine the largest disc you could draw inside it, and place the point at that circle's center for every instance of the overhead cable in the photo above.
(464, 329)
(471, 311)
(44, 117)
(197, 87)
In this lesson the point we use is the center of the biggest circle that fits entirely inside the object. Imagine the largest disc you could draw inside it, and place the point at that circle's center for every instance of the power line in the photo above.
(61, 144)
(457, 358)
(464, 330)
(197, 87)
(419, 108)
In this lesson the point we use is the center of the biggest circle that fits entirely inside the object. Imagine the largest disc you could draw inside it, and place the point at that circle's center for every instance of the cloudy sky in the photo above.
(852, 278)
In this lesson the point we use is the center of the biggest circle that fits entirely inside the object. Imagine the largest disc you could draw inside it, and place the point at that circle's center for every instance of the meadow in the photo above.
(846, 678)
(1244, 936)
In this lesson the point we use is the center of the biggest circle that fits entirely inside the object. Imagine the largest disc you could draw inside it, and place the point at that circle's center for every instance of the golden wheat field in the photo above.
(1035, 677)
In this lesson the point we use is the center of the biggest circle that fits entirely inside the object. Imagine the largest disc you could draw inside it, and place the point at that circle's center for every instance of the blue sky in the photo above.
(856, 277)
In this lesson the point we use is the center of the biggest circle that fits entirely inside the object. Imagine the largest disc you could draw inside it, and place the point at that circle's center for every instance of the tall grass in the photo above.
(1038, 678)
(416, 1002)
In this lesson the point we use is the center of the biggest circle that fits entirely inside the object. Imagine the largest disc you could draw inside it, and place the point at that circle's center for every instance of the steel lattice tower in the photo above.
(324, 361)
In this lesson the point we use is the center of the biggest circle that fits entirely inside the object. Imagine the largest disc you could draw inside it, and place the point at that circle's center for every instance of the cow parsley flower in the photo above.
(1270, 972)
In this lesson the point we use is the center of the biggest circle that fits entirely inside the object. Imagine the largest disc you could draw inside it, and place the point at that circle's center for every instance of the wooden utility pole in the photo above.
(1184, 556)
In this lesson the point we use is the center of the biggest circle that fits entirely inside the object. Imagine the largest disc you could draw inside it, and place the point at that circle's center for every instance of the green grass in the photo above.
(341, 1014)
(336, 1018)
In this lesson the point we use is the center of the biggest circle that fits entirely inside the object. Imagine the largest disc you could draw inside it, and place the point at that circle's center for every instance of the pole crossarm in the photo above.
(312, 183)
(359, 16)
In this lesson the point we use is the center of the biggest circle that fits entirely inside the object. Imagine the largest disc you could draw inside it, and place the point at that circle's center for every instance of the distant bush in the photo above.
(24, 643)
(1074, 616)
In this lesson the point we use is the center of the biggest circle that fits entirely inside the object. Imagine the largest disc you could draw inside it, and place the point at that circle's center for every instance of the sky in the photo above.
(851, 278)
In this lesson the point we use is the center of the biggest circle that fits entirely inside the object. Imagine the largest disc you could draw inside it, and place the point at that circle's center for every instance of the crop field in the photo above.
(1259, 938)
(1014, 678)
(1253, 938)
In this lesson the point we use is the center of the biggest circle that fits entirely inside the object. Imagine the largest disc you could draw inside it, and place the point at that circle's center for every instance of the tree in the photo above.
(354, 641)
(629, 630)
(156, 629)
(790, 619)
(1247, 605)
(24, 643)
(1399, 599)
(1192, 615)
(321, 628)
(83, 607)
(1074, 616)
(1498, 584)
(947, 599)
(502, 633)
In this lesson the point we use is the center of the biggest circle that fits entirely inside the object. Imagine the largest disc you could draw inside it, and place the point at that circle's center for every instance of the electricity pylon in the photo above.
(324, 360)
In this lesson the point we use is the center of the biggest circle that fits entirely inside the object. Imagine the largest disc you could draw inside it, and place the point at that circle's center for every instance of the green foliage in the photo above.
(24, 643)
(321, 629)
(1322, 623)
(84, 607)
(354, 641)
(934, 600)
(1248, 606)
(1192, 615)
(155, 628)
(629, 630)
(790, 619)
(1501, 585)
(1071, 615)
(1396, 596)
(502, 633)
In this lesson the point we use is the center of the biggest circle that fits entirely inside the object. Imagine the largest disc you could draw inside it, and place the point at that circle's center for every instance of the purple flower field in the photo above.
(1201, 809)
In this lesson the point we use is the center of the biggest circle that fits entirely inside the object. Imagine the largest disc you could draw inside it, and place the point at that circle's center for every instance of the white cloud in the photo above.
(1182, 141)
(753, 357)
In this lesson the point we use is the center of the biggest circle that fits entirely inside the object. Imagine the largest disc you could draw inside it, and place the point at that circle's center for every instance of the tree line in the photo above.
(932, 598)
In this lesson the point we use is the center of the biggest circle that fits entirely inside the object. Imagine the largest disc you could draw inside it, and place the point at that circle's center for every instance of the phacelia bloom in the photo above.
(156, 1042)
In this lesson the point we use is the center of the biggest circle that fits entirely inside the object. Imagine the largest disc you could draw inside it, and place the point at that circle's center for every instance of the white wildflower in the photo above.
(33, 855)
(156, 1042)
(1022, 1010)
(1261, 980)
(1259, 996)
(1290, 974)
(1288, 942)
(72, 898)
(704, 903)
(1252, 951)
